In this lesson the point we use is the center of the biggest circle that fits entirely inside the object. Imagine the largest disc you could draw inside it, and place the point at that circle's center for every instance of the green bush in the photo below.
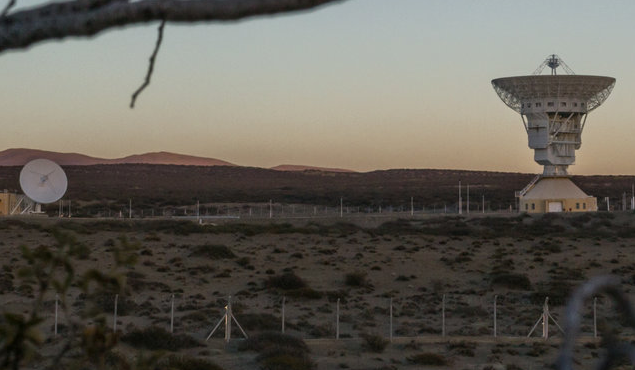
(154, 338)
(374, 343)
(213, 251)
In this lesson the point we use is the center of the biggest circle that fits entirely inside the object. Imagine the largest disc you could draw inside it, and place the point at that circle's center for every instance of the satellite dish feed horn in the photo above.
(43, 181)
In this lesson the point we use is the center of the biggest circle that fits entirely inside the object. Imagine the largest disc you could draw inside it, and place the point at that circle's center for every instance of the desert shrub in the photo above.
(429, 359)
(259, 321)
(305, 293)
(186, 363)
(213, 251)
(105, 302)
(268, 340)
(374, 343)
(154, 338)
(286, 281)
(462, 348)
(279, 351)
(355, 279)
(511, 280)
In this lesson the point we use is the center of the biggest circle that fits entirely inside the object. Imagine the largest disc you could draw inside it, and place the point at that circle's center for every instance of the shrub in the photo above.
(511, 280)
(268, 340)
(186, 363)
(259, 321)
(374, 343)
(154, 338)
(286, 281)
(279, 351)
(430, 359)
(213, 251)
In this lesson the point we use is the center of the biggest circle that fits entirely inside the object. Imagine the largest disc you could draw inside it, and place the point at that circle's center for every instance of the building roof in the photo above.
(555, 188)
(593, 90)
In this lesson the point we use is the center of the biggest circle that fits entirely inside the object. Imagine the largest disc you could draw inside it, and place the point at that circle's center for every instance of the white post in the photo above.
(337, 320)
(460, 200)
(412, 206)
(130, 208)
(595, 323)
(390, 320)
(283, 301)
(60, 208)
(495, 297)
(172, 315)
(228, 320)
(443, 316)
(114, 324)
(270, 209)
(483, 206)
(56, 301)
(545, 319)
(608, 206)
(198, 210)
(70, 213)
(468, 199)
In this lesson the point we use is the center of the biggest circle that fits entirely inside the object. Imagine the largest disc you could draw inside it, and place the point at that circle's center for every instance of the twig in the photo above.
(10, 5)
(81, 18)
(610, 285)
(150, 66)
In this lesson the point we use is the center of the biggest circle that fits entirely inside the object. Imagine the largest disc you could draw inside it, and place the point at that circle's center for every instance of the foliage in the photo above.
(212, 251)
(51, 270)
(511, 280)
(429, 359)
(155, 338)
(356, 279)
(374, 343)
(279, 351)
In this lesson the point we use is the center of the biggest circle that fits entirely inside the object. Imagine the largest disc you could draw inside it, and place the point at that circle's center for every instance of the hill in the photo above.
(20, 156)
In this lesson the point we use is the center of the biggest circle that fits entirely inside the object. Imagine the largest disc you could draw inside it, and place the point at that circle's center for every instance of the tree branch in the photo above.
(150, 66)
(10, 5)
(82, 18)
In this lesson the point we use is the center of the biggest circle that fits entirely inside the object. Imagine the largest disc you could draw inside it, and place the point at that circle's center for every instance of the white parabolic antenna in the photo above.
(43, 181)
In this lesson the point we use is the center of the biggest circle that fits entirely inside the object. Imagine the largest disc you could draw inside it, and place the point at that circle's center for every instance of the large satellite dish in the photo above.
(43, 181)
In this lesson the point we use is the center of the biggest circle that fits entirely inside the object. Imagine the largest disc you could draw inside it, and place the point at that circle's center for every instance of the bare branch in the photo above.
(10, 5)
(89, 17)
(609, 285)
(150, 66)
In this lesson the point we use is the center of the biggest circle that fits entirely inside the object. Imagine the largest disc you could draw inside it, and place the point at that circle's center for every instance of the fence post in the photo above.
(595, 326)
(443, 316)
(283, 301)
(495, 297)
(114, 324)
(172, 315)
(337, 320)
(56, 300)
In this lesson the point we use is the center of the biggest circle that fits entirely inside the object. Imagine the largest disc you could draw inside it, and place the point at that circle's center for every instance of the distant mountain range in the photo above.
(20, 156)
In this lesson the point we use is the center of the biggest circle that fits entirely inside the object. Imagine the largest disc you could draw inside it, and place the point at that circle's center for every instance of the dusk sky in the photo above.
(364, 85)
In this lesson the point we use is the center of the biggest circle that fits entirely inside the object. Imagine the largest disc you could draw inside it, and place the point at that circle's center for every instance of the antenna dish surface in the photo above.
(43, 181)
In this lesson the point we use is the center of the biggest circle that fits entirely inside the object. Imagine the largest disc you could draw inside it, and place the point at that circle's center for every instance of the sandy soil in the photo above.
(415, 270)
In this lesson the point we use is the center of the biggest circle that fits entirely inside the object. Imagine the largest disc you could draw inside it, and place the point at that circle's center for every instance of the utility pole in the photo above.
(412, 206)
(468, 199)
(460, 200)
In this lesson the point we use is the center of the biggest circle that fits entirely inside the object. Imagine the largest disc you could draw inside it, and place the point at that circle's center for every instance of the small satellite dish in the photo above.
(43, 181)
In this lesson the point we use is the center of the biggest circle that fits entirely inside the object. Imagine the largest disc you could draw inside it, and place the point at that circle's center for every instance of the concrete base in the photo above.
(556, 194)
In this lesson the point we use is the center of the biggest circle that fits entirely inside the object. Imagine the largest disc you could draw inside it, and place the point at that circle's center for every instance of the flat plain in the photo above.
(434, 270)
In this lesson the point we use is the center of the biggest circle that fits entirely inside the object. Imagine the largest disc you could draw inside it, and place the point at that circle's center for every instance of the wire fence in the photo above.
(444, 315)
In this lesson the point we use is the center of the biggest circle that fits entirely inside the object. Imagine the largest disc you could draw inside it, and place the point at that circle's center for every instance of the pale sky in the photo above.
(364, 85)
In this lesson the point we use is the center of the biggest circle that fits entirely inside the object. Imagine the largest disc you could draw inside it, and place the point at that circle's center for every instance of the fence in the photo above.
(446, 315)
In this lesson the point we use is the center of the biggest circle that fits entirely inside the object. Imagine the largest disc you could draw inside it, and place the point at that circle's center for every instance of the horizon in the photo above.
(310, 166)
(362, 85)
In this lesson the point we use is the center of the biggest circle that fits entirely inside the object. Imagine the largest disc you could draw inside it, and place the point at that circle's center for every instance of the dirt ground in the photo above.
(432, 269)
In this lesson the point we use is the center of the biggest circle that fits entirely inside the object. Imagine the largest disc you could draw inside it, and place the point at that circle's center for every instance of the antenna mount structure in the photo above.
(554, 110)
(553, 61)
